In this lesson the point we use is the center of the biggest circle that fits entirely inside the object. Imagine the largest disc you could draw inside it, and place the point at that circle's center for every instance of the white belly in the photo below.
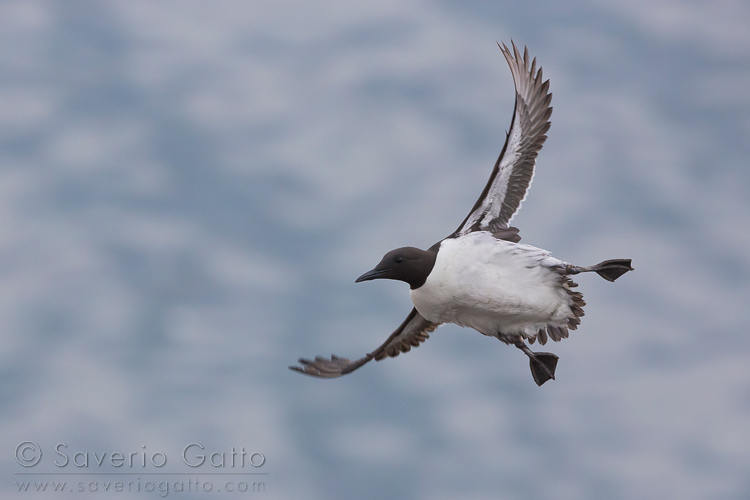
(497, 287)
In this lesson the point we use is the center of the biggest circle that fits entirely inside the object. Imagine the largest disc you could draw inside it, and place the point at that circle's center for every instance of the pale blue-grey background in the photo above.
(188, 190)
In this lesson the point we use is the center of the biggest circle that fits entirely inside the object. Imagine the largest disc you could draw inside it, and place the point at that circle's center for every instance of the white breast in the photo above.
(494, 286)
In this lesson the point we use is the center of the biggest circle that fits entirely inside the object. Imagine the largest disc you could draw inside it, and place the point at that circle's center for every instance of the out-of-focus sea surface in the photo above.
(189, 189)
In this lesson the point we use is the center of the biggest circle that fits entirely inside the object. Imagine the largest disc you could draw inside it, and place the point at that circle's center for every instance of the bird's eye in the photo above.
(398, 260)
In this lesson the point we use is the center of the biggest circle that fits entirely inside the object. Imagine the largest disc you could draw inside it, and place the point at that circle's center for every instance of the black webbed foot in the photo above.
(542, 364)
(610, 270)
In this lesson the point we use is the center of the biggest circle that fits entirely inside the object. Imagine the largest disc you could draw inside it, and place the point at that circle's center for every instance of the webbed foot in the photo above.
(542, 364)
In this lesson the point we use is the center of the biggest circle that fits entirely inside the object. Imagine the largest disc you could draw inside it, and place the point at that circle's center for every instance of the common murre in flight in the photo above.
(481, 276)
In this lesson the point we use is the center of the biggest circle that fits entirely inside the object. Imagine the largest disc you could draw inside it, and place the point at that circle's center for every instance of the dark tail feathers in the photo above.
(610, 270)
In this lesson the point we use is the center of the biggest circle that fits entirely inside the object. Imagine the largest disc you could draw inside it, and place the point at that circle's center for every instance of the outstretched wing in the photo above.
(412, 332)
(514, 169)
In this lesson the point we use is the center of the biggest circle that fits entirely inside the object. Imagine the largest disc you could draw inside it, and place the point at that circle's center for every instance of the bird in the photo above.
(481, 276)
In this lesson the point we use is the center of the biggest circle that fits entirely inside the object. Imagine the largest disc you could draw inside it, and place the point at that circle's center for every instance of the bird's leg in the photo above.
(610, 270)
(542, 364)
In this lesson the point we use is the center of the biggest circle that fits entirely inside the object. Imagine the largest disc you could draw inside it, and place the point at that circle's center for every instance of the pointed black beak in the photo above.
(371, 275)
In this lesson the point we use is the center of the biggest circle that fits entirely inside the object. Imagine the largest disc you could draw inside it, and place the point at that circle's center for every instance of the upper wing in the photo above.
(514, 169)
(413, 331)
